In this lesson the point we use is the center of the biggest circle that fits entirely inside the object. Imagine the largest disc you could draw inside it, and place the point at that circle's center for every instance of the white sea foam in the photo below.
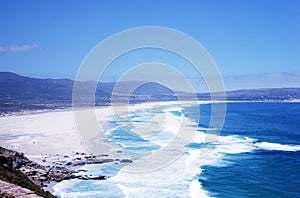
(161, 182)
(162, 129)
(196, 191)
(236, 144)
(217, 149)
(277, 147)
(179, 178)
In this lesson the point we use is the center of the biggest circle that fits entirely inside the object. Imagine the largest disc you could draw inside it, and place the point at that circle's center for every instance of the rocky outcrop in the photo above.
(12, 190)
(55, 171)
(17, 181)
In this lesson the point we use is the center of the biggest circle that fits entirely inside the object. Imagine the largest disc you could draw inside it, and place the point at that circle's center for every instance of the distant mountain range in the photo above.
(21, 92)
(16, 87)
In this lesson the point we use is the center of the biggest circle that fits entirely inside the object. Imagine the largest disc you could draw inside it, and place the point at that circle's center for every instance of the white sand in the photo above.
(53, 132)
(44, 133)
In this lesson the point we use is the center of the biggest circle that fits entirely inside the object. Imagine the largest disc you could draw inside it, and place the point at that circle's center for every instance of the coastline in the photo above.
(42, 135)
(42, 111)
(50, 137)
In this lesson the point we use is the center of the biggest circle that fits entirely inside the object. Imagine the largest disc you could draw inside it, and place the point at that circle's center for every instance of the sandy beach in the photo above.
(52, 133)
(51, 138)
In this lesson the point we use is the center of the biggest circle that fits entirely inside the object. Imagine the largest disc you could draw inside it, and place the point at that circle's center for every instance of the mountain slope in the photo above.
(13, 86)
(16, 87)
(15, 90)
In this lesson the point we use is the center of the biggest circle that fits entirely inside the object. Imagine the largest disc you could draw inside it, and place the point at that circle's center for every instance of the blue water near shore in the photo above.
(271, 170)
(256, 155)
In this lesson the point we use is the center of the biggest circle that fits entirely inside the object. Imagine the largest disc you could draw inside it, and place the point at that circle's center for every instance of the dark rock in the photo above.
(41, 175)
(23, 172)
(101, 177)
(31, 173)
(126, 161)
(82, 177)
(81, 170)
(85, 177)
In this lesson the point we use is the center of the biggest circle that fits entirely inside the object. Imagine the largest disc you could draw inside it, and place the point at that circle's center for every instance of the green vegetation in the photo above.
(11, 174)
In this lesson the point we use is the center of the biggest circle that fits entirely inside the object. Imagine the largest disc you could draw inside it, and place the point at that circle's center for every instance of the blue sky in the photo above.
(246, 38)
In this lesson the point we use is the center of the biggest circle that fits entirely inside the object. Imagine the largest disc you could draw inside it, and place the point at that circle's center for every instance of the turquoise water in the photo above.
(256, 155)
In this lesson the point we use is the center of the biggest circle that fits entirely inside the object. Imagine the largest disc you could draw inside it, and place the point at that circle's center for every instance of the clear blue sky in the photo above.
(245, 37)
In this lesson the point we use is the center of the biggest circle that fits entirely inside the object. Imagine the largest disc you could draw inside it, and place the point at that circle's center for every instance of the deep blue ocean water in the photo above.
(256, 155)
(258, 173)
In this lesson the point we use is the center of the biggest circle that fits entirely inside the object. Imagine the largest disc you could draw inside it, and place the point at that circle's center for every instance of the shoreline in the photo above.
(48, 137)
(45, 176)
(41, 111)
(51, 132)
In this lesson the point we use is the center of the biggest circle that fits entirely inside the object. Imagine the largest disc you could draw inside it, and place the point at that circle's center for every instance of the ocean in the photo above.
(257, 154)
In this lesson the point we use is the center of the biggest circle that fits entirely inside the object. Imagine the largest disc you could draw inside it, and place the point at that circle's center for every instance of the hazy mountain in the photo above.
(265, 94)
(16, 87)
(20, 92)
(13, 86)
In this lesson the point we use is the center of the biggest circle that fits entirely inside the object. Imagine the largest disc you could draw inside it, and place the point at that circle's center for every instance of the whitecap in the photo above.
(276, 146)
